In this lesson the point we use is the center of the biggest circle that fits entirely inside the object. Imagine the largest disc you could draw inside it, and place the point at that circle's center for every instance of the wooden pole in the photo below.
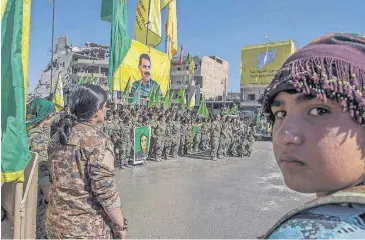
(17, 204)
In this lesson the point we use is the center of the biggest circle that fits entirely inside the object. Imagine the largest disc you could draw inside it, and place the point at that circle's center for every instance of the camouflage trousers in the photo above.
(175, 146)
(245, 148)
(159, 144)
(214, 142)
(196, 142)
(248, 148)
(204, 142)
(182, 147)
(223, 145)
(234, 145)
(167, 148)
(189, 144)
(125, 151)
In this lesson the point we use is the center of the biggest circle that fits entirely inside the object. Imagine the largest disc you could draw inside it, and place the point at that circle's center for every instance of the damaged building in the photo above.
(73, 62)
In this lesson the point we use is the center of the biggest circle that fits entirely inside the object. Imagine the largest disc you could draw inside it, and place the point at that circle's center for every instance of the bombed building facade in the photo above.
(73, 62)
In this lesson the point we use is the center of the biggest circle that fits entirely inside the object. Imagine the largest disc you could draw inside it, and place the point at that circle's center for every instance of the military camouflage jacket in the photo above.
(83, 186)
(126, 133)
(38, 140)
(216, 129)
(159, 130)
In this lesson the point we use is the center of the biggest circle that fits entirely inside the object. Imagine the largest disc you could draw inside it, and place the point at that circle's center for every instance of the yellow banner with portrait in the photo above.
(259, 63)
(146, 68)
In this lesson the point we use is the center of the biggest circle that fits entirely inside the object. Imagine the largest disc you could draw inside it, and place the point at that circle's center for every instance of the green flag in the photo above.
(136, 95)
(166, 101)
(192, 67)
(187, 59)
(233, 110)
(195, 129)
(151, 97)
(203, 110)
(81, 79)
(181, 97)
(158, 96)
(192, 101)
(172, 95)
(115, 11)
(126, 91)
(15, 155)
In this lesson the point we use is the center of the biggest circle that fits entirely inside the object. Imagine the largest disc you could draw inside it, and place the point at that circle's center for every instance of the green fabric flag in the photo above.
(86, 80)
(188, 59)
(166, 101)
(136, 96)
(158, 96)
(115, 11)
(81, 79)
(203, 110)
(181, 97)
(192, 67)
(172, 96)
(192, 101)
(126, 91)
(233, 110)
(195, 129)
(15, 154)
(151, 97)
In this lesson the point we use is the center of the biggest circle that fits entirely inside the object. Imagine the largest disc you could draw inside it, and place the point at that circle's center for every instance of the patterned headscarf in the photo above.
(38, 110)
(330, 67)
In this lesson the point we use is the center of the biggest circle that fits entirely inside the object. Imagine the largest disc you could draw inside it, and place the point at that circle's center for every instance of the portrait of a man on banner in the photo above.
(147, 84)
(142, 139)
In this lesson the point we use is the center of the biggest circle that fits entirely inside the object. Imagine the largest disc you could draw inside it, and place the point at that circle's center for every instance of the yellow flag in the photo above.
(147, 27)
(171, 28)
(164, 3)
(192, 101)
(58, 95)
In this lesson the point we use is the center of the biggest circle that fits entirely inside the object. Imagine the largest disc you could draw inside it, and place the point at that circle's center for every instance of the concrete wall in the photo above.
(252, 93)
(215, 77)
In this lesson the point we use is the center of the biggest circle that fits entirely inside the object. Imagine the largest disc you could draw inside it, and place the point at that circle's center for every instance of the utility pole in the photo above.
(53, 10)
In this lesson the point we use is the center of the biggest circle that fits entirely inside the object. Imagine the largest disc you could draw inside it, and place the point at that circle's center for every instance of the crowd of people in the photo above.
(172, 134)
(315, 103)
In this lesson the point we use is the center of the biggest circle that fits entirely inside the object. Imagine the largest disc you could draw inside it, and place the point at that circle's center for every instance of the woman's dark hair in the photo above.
(86, 100)
(140, 137)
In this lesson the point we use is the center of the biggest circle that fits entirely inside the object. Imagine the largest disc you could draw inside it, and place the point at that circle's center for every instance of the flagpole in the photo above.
(53, 10)
(148, 21)
(167, 42)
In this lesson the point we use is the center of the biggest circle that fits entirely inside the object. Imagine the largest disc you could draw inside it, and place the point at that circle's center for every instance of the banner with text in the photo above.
(259, 63)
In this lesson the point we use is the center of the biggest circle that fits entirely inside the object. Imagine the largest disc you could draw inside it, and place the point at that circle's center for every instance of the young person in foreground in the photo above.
(316, 103)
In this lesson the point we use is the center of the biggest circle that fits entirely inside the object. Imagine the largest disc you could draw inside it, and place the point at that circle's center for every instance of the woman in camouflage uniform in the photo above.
(39, 119)
(84, 201)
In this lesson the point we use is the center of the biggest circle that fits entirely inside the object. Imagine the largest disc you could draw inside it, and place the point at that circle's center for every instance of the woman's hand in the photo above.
(121, 234)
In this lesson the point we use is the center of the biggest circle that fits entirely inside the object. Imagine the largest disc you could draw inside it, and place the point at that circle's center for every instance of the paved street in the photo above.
(197, 198)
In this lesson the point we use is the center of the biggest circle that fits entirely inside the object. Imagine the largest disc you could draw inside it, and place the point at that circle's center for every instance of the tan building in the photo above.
(210, 77)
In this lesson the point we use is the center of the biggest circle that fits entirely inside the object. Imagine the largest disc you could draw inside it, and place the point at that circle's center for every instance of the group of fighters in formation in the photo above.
(177, 132)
